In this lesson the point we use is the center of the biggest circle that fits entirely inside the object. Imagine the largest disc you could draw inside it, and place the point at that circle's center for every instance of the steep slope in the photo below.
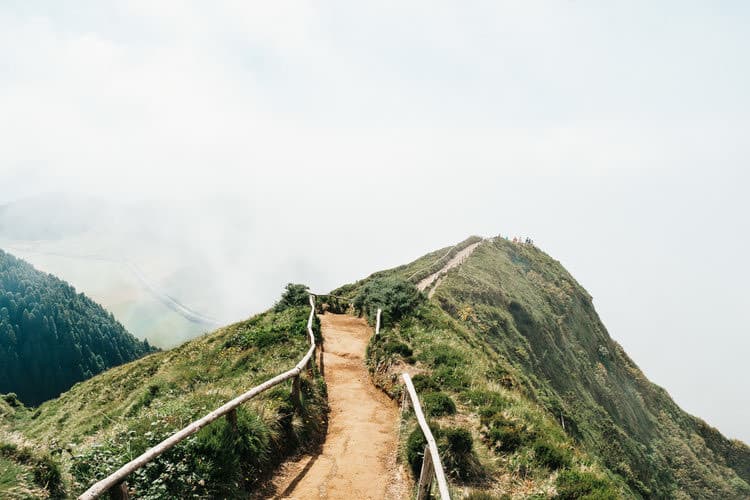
(514, 343)
(104, 422)
(52, 337)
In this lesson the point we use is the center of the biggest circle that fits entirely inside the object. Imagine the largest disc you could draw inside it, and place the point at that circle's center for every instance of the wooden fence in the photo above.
(115, 482)
(431, 465)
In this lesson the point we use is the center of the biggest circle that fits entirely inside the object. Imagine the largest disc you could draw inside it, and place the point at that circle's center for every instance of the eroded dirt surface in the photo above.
(455, 261)
(358, 458)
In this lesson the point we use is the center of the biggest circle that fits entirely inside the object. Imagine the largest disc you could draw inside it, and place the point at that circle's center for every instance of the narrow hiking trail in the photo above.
(358, 458)
(453, 262)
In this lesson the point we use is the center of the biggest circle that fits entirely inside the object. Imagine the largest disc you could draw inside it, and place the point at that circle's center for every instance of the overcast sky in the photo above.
(617, 137)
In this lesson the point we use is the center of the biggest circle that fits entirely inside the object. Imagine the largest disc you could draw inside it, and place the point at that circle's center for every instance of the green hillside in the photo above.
(527, 394)
(106, 421)
(52, 337)
(509, 348)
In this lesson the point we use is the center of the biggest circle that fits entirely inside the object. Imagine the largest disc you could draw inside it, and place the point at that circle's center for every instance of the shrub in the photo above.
(438, 355)
(424, 383)
(396, 347)
(294, 295)
(415, 450)
(437, 404)
(490, 402)
(458, 440)
(550, 456)
(451, 377)
(396, 297)
(506, 435)
(573, 484)
(457, 452)
(12, 399)
(47, 474)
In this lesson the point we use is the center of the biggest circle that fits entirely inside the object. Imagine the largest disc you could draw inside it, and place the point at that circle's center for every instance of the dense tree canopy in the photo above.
(52, 337)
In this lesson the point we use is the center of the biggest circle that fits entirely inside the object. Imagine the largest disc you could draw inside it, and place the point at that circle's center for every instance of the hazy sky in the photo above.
(360, 135)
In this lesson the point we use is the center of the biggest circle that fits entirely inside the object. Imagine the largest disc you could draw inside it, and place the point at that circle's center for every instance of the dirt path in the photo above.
(358, 458)
(455, 261)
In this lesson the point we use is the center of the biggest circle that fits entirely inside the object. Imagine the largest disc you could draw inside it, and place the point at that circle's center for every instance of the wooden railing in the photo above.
(431, 465)
(115, 483)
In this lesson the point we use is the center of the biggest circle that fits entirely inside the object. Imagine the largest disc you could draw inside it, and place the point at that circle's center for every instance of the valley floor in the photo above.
(358, 458)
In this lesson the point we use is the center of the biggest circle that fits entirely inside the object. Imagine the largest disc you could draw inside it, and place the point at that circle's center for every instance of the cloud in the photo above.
(319, 141)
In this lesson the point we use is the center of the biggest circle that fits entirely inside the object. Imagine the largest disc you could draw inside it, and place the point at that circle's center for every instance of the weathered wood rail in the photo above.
(432, 467)
(114, 483)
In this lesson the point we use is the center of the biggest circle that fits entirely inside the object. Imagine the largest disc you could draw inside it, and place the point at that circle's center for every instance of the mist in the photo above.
(226, 150)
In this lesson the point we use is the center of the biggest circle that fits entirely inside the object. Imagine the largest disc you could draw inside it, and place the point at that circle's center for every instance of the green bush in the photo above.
(550, 456)
(12, 399)
(424, 383)
(415, 450)
(396, 347)
(396, 297)
(459, 440)
(47, 474)
(229, 449)
(506, 435)
(436, 404)
(437, 355)
(46, 471)
(573, 484)
(451, 377)
(294, 295)
(457, 453)
(456, 448)
(490, 402)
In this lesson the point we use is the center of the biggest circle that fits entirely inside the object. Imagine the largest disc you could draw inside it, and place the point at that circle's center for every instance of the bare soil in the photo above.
(455, 261)
(358, 458)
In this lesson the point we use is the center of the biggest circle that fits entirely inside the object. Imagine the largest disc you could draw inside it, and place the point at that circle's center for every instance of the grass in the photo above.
(516, 344)
(110, 419)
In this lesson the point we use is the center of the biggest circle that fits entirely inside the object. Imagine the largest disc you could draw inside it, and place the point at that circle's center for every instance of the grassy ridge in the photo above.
(513, 342)
(110, 419)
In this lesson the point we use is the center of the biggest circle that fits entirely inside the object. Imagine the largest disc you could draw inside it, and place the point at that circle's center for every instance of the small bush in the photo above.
(294, 295)
(12, 399)
(396, 347)
(550, 456)
(451, 377)
(437, 355)
(436, 404)
(573, 484)
(396, 297)
(424, 383)
(415, 450)
(457, 452)
(47, 474)
(506, 435)
(489, 402)
(458, 440)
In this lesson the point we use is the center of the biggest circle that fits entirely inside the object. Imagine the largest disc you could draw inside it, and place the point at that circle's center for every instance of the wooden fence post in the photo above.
(295, 394)
(119, 491)
(232, 420)
(404, 402)
(311, 363)
(322, 366)
(425, 476)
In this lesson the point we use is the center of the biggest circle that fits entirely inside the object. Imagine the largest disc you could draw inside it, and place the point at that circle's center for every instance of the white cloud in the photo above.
(601, 131)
